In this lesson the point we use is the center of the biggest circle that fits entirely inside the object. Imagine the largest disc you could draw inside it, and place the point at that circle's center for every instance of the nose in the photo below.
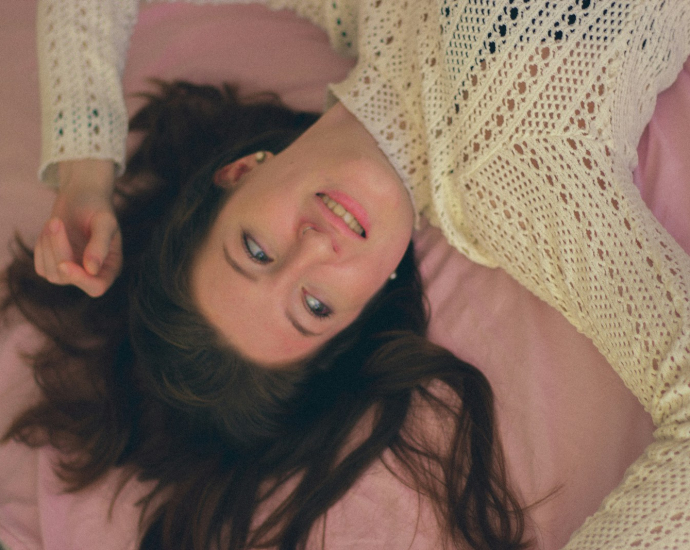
(316, 243)
(311, 251)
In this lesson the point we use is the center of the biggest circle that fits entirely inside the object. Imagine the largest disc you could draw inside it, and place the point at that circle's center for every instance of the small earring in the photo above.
(393, 276)
(260, 156)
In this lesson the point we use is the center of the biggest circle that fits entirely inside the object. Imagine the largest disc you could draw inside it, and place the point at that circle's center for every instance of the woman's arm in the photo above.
(81, 52)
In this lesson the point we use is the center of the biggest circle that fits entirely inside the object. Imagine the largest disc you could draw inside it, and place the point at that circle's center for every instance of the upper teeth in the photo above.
(339, 210)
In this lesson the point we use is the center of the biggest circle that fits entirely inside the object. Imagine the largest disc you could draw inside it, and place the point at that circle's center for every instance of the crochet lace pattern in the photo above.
(514, 124)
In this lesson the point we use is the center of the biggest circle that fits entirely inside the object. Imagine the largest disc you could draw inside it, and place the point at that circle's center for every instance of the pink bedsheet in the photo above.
(566, 420)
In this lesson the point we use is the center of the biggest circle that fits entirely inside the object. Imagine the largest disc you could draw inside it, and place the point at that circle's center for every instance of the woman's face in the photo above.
(285, 267)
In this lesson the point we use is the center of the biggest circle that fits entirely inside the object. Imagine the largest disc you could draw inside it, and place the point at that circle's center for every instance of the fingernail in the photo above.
(92, 266)
(54, 226)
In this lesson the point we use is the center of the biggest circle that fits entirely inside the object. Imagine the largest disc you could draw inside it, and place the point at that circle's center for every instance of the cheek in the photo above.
(390, 251)
(273, 212)
(362, 283)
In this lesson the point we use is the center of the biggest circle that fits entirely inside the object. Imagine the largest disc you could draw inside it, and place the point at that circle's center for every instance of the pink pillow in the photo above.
(566, 420)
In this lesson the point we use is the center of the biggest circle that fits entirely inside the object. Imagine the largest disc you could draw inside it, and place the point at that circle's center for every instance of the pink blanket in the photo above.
(566, 420)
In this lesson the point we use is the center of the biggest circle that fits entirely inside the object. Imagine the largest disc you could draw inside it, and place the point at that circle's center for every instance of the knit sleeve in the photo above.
(82, 47)
(552, 202)
(562, 215)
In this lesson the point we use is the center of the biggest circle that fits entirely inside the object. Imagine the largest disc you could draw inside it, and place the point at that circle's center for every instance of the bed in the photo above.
(569, 426)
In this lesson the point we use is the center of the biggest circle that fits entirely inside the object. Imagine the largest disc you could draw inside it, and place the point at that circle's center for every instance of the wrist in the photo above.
(84, 176)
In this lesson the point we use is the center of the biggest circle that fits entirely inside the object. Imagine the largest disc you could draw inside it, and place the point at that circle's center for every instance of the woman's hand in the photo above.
(81, 243)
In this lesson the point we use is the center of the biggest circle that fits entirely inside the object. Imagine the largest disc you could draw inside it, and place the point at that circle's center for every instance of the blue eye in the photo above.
(254, 251)
(316, 307)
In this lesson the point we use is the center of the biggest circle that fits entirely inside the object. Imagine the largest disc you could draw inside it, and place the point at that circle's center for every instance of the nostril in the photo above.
(319, 235)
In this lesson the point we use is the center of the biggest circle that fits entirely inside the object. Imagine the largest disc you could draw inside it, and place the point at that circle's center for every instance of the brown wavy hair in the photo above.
(138, 378)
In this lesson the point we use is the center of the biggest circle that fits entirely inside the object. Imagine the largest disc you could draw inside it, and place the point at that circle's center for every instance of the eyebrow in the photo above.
(244, 273)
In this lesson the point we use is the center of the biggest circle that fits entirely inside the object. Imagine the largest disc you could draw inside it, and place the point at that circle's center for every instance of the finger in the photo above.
(104, 227)
(49, 266)
(112, 266)
(50, 271)
(110, 269)
(59, 243)
(75, 274)
(39, 264)
(70, 272)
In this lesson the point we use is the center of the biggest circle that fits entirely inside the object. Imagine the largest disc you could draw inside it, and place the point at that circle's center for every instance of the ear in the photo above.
(229, 175)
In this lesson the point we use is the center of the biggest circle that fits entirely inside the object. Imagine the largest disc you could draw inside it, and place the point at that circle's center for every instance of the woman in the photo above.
(154, 386)
(514, 128)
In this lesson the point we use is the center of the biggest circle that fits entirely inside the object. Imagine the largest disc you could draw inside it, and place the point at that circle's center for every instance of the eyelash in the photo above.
(247, 243)
(325, 310)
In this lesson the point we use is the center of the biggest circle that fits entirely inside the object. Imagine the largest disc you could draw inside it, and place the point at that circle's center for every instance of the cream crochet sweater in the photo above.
(514, 125)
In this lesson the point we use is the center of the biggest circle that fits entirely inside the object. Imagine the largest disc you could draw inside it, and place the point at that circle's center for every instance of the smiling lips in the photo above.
(340, 211)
